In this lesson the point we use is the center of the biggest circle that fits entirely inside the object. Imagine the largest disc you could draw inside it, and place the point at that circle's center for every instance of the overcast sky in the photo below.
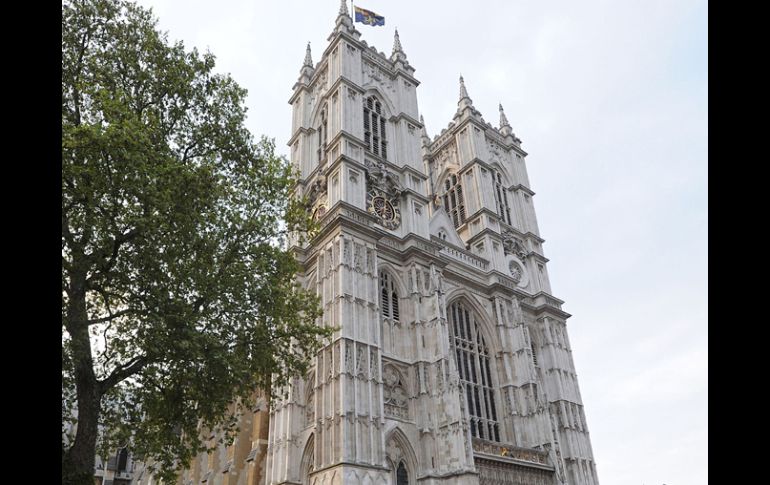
(610, 100)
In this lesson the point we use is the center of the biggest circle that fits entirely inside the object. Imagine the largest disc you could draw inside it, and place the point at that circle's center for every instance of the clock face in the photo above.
(319, 212)
(383, 208)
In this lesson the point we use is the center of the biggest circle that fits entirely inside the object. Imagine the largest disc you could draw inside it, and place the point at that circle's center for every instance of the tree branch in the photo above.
(122, 372)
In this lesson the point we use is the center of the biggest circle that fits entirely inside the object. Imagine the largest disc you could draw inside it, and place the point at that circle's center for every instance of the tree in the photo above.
(179, 294)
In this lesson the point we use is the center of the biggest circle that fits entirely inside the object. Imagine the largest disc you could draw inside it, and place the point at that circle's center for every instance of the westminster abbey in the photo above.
(452, 363)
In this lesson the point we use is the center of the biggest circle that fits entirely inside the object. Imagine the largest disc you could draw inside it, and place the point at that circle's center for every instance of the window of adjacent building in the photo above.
(322, 128)
(122, 460)
(454, 203)
(473, 364)
(388, 297)
(402, 476)
(501, 199)
(374, 127)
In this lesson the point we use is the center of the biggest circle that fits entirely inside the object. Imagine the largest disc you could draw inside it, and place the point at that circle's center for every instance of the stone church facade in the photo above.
(451, 364)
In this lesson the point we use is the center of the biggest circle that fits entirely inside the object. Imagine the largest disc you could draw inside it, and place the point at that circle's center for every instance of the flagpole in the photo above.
(352, 12)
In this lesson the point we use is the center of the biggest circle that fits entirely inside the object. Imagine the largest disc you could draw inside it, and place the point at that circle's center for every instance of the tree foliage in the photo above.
(178, 293)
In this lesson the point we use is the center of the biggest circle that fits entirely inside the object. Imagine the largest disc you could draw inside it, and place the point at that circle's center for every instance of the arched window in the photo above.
(402, 476)
(501, 198)
(388, 297)
(374, 127)
(473, 365)
(322, 135)
(122, 460)
(308, 461)
(453, 200)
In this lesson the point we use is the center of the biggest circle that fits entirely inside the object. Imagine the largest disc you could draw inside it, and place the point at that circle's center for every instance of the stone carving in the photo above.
(495, 152)
(394, 393)
(523, 454)
(360, 364)
(513, 245)
(382, 197)
(375, 75)
(380, 177)
(373, 364)
(349, 358)
(447, 156)
(310, 407)
(317, 190)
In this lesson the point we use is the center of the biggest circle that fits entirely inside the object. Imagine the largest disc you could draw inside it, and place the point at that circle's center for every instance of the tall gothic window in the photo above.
(475, 374)
(501, 198)
(402, 476)
(374, 127)
(388, 297)
(322, 134)
(453, 200)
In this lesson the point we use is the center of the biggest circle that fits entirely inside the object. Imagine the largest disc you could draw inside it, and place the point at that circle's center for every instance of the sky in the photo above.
(610, 101)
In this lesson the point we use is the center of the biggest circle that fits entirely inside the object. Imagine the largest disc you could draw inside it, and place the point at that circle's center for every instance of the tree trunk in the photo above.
(78, 461)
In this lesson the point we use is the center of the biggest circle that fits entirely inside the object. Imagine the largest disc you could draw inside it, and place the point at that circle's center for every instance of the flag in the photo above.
(369, 18)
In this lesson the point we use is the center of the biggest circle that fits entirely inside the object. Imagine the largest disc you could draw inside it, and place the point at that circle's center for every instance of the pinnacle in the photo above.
(397, 43)
(344, 8)
(423, 130)
(463, 91)
(308, 59)
(503, 119)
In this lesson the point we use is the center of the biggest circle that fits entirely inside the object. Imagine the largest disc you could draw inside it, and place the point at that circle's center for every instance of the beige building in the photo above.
(452, 364)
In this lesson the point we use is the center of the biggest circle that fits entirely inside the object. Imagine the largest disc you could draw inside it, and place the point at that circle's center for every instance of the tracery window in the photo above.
(501, 198)
(374, 127)
(473, 365)
(454, 203)
(388, 297)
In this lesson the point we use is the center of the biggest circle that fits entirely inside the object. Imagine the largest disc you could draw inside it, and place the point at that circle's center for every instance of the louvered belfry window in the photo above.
(501, 199)
(374, 127)
(473, 364)
(388, 297)
(454, 203)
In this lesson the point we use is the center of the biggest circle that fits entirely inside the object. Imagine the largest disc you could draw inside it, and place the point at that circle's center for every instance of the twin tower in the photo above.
(452, 363)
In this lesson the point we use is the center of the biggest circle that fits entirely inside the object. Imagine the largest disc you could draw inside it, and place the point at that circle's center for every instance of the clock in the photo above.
(384, 209)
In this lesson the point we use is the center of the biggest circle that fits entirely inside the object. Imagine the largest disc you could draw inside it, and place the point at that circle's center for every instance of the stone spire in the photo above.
(463, 91)
(309, 59)
(424, 133)
(397, 43)
(505, 127)
(306, 73)
(344, 23)
(465, 100)
(398, 54)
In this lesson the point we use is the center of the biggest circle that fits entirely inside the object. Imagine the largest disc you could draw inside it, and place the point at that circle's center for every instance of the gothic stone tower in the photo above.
(451, 362)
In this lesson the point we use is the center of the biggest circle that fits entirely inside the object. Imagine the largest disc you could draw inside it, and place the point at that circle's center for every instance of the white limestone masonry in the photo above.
(451, 363)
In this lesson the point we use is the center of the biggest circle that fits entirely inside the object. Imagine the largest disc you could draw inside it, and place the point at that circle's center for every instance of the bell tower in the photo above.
(450, 362)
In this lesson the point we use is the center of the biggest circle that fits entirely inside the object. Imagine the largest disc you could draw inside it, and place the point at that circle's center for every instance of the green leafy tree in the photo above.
(178, 290)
